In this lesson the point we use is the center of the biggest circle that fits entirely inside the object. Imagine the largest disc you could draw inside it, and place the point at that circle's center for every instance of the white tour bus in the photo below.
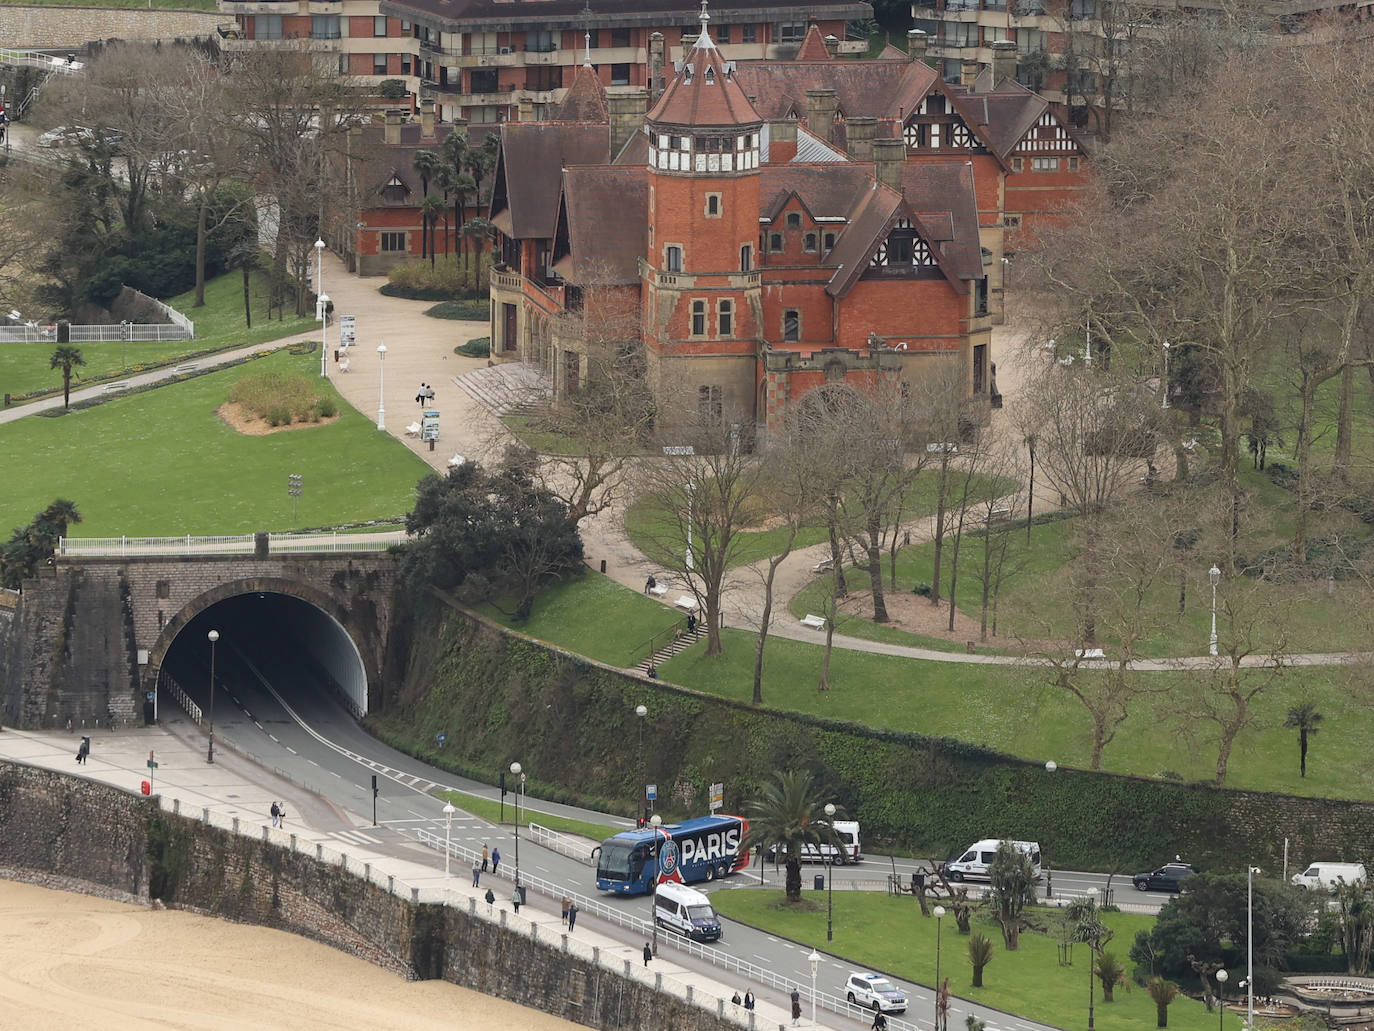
(848, 832)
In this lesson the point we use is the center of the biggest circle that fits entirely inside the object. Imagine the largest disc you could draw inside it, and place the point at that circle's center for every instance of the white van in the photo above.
(974, 861)
(686, 910)
(1324, 876)
(848, 832)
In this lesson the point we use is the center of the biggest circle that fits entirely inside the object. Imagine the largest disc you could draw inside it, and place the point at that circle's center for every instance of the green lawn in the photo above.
(597, 617)
(1036, 602)
(651, 529)
(493, 812)
(876, 931)
(161, 463)
(1015, 710)
(219, 327)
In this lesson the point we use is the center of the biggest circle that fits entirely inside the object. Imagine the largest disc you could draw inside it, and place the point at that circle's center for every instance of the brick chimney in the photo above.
(627, 110)
(917, 40)
(427, 119)
(1003, 61)
(526, 108)
(860, 130)
(820, 112)
(656, 73)
(782, 140)
(832, 44)
(888, 158)
(968, 73)
(391, 135)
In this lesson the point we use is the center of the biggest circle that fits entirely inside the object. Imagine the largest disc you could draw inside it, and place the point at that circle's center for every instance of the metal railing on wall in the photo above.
(233, 544)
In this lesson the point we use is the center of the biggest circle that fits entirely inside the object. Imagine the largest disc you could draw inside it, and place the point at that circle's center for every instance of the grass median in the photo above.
(877, 931)
(493, 812)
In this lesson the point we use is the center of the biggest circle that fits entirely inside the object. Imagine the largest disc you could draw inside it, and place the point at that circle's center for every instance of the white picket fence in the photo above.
(138, 332)
(236, 544)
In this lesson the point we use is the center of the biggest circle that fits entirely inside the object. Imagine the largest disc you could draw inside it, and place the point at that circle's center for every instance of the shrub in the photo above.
(392, 89)
(921, 589)
(477, 309)
(282, 398)
(327, 407)
(279, 415)
(479, 347)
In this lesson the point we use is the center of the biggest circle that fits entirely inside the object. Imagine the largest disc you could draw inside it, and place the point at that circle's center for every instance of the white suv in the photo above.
(874, 992)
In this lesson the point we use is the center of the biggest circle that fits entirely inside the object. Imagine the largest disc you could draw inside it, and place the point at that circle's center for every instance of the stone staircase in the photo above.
(512, 388)
(677, 644)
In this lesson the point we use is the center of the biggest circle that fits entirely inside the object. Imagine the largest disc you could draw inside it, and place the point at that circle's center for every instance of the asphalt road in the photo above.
(276, 713)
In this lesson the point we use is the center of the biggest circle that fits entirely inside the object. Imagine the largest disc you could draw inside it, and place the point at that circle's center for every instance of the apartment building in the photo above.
(488, 61)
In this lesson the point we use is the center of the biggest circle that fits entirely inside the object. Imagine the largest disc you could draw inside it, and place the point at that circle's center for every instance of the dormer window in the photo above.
(394, 192)
(793, 220)
(710, 76)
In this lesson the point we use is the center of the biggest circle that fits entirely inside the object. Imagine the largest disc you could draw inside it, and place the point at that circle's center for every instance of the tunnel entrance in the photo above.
(270, 645)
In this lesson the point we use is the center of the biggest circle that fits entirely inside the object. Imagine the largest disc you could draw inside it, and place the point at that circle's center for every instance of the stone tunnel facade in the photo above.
(90, 634)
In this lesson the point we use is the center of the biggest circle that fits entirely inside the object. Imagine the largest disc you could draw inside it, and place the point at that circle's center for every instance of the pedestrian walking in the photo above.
(566, 903)
(879, 1021)
(515, 898)
(691, 623)
(748, 1000)
(796, 1008)
(83, 750)
(281, 817)
(429, 394)
(495, 860)
(476, 873)
(276, 814)
(735, 1000)
(485, 857)
(420, 395)
(648, 953)
(491, 900)
(572, 915)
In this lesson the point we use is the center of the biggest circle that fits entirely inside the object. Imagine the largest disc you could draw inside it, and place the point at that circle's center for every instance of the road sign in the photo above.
(429, 426)
(651, 792)
(348, 329)
(441, 738)
(717, 796)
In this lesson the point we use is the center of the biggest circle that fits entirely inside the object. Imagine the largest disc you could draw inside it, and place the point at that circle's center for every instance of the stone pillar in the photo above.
(860, 131)
(1003, 61)
(888, 158)
(526, 109)
(917, 40)
(427, 119)
(627, 116)
(656, 71)
(391, 135)
(782, 130)
(968, 73)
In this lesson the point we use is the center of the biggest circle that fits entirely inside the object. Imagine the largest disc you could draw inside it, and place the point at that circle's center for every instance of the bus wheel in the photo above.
(724, 870)
(710, 873)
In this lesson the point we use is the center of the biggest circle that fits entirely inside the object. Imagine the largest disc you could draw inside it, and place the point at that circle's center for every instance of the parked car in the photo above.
(65, 136)
(874, 992)
(1168, 878)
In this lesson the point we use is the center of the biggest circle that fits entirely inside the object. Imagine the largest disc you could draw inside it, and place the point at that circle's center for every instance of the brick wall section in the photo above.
(52, 824)
(22, 26)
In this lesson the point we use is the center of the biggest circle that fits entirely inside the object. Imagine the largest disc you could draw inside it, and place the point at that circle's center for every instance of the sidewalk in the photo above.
(236, 794)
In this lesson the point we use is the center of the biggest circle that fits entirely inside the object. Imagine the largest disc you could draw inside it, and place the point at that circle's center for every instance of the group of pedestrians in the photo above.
(278, 812)
(425, 395)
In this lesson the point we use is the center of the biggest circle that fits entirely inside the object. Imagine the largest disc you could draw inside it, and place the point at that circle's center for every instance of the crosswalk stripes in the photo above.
(355, 837)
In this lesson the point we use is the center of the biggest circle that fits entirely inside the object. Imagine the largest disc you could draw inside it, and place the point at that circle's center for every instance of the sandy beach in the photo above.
(69, 960)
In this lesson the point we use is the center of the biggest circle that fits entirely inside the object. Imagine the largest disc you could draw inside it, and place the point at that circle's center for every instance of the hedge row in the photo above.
(499, 696)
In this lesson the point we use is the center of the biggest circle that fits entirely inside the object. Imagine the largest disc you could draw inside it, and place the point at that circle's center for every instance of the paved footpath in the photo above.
(236, 789)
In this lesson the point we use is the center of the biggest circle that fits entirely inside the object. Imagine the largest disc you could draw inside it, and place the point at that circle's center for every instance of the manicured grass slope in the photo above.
(596, 617)
(486, 809)
(1015, 710)
(219, 327)
(161, 463)
(879, 932)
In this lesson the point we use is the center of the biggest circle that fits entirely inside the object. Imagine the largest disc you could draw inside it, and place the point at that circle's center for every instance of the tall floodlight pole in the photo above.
(1214, 574)
(213, 635)
(381, 387)
(320, 301)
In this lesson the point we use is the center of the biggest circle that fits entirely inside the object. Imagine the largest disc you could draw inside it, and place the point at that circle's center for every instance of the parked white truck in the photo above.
(1325, 876)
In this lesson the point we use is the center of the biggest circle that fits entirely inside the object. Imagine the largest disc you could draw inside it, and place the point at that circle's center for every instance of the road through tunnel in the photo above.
(268, 643)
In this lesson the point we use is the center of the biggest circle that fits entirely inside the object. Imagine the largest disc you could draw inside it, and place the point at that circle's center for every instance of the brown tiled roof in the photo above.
(813, 46)
(941, 196)
(827, 190)
(380, 160)
(882, 89)
(585, 100)
(529, 171)
(634, 152)
(704, 92)
(876, 210)
(891, 53)
(560, 14)
(604, 213)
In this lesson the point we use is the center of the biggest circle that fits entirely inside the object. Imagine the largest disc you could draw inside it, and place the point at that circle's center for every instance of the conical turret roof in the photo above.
(704, 91)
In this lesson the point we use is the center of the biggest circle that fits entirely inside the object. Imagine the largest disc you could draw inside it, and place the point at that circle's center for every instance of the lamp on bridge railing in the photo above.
(656, 855)
(516, 769)
(213, 635)
(448, 831)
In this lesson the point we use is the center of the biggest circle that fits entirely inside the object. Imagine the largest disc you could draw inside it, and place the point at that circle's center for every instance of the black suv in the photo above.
(1167, 878)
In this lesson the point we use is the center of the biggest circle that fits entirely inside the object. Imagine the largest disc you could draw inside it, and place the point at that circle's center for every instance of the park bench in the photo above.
(825, 565)
(999, 515)
(413, 430)
(343, 365)
(659, 589)
(1089, 653)
(813, 621)
(687, 602)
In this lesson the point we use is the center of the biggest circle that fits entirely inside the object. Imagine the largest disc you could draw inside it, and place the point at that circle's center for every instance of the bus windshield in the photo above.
(614, 863)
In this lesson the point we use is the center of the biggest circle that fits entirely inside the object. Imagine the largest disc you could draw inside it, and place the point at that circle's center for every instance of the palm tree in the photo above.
(426, 163)
(1304, 718)
(1011, 887)
(979, 955)
(789, 814)
(458, 181)
(66, 359)
(1162, 992)
(431, 208)
(1111, 972)
(477, 230)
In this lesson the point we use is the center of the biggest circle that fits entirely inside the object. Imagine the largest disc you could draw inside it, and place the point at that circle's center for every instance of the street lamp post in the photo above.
(448, 832)
(691, 504)
(815, 959)
(1164, 384)
(1050, 767)
(1091, 896)
(656, 822)
(939, 912)
(641, 711)
(214, 636)
(519, 793)
(1030, 492)
(1250, 872)
(830, 878)
(381, 387)
(1215, 575)
(319, 304)
(1221, 999)
(324, 335)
